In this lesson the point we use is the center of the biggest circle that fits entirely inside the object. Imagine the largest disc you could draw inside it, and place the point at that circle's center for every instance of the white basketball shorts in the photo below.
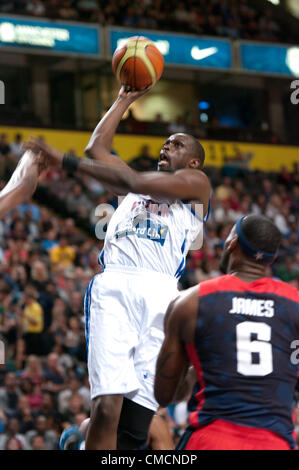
(124, 314)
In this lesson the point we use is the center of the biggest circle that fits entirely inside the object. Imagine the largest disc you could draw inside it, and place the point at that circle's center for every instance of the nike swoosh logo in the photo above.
(200, 54)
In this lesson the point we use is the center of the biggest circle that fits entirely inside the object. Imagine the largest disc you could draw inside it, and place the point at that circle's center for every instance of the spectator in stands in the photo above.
(73, 336)
(33, 393)
(54, 373)
(87, 8)
(20, 355)
(33, 320)
(24, 414)
(52, 8)
(287, 270)
(33, 370)
(16, 147)
(10, 394)
(12, 432)
(49, 410)
(41, 430)
(12, 443)
(216, 18)
(7, 6)
(73, 387)
(77, 202)
(269, 29)
(223, 191)
(144, 161)
(177, 126)
(50, 240)
(36, 8)
(284, 177)
(67, 11)
(29, 206)
(74, 407)
(130, 17)
(70, 230)
(62, 255)
(37, 442)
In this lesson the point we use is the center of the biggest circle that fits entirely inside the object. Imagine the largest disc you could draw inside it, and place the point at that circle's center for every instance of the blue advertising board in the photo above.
(54, 37)
(179, 49)
(273, 59)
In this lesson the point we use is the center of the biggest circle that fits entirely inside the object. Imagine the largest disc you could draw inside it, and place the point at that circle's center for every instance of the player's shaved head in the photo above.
(263, 236)
(198, 149)
(262, 233)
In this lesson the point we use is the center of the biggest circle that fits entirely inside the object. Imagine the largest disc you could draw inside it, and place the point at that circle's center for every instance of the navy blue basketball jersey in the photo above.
(244, 354)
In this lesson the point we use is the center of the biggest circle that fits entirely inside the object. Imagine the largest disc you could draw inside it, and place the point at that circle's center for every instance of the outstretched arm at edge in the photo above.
(22, 183)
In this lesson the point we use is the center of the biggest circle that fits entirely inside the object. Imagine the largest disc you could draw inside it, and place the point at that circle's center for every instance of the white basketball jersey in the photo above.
(150, 234)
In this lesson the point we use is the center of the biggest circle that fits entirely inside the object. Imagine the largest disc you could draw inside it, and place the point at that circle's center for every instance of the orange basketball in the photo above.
(137, 63)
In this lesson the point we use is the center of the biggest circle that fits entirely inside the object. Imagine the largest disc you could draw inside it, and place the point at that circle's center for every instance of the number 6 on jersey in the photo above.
(246, 347)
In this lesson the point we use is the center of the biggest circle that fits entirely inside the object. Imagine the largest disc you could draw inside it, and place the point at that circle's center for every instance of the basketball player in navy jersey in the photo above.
(144, 255)
(236, 331)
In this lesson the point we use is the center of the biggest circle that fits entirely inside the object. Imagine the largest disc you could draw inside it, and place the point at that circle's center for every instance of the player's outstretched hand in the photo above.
(47, 156)
(132, 95)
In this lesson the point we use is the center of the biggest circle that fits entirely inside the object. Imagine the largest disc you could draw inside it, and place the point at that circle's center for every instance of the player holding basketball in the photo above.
(236, 330)
(146, 244)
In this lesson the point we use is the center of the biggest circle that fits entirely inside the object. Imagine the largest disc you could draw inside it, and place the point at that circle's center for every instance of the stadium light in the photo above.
(204, 117)
(204, 105)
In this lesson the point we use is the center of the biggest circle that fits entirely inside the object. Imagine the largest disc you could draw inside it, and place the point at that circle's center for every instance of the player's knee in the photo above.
(104, 413)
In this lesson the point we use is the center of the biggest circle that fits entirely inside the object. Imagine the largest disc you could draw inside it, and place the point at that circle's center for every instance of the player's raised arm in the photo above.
(22, 183)
(102, 136)
(172, 363)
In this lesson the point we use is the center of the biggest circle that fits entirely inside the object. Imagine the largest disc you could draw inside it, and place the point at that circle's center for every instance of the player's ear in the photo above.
(195, 164)
(232, 244)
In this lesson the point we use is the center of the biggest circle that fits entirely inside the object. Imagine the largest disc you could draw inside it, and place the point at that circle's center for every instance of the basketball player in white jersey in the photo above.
(146, 244)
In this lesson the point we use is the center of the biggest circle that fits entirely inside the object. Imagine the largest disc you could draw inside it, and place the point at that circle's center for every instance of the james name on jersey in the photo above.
(254, 307)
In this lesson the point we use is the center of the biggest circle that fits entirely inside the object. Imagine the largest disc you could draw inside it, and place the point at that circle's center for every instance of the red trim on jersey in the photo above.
(263, 285)
(225, 435)
(193, 356)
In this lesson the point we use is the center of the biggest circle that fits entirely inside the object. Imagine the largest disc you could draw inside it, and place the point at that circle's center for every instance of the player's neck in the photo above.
(248, 272)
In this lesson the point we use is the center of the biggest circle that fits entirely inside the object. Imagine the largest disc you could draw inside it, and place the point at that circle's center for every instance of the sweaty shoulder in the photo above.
(182, 313)
(198, 187)
(193, 175)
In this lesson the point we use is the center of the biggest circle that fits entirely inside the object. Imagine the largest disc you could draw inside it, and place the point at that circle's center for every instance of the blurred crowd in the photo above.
(49, 254)
(232, 18)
